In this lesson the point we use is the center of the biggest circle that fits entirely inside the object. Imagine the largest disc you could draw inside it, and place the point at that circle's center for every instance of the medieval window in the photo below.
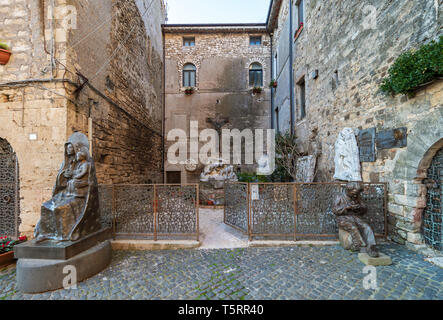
(255, 75)
(255, 40)
(301, 88)
(188, 42)
(189, 75)
(300, 13)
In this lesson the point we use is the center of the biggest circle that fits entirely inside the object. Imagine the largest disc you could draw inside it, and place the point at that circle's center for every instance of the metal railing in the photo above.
(156, 211)
(297, 210)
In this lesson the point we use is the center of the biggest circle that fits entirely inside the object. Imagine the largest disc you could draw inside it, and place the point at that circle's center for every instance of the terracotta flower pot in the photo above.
(6, 258)
(4, 56)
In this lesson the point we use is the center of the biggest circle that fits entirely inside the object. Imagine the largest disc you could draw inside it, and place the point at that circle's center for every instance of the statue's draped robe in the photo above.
(71, 215)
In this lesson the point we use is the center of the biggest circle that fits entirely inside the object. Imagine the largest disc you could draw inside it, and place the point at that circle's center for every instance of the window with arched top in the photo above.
(256, 75)
(189, 75)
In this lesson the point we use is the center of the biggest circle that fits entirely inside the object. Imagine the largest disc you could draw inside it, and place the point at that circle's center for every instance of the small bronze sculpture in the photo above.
(73, 211)
(349, 211)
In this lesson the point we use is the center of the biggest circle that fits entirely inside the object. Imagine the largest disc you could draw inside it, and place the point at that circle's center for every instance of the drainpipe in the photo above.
(164, 109)
(291, 68)
(272, 74)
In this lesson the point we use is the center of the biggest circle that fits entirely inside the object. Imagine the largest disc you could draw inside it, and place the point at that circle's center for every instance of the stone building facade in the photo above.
(222, 56)
(340, 55)
(90, 66)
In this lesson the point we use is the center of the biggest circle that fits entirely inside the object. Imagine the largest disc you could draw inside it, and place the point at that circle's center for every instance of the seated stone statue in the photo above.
(349, 211)
(73, 211)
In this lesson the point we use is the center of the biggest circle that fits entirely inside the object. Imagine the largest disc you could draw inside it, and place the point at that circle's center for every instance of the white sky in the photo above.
(217, 11)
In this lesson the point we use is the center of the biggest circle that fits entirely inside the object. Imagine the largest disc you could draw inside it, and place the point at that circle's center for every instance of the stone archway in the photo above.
(9, 191)
(408, 181)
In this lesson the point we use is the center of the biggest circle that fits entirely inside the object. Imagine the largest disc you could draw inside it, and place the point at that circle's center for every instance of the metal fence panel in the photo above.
(236, 205)
(272, 209)
(134, 210)
(177, 209)
(315, 218)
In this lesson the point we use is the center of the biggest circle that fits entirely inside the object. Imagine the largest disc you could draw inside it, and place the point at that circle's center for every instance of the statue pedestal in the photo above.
(382, 260)
(41, 266)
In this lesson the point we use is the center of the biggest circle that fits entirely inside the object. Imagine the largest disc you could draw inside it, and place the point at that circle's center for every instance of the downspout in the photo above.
(291, 68)
(164, 108)
(272, 74)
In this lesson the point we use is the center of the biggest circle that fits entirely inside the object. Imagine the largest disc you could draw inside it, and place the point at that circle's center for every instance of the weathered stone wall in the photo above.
(352, 55)
(126, 65)
(222, 60)
(120, 107)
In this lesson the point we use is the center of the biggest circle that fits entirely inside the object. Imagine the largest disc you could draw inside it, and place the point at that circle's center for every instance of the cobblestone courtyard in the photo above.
(250, 273)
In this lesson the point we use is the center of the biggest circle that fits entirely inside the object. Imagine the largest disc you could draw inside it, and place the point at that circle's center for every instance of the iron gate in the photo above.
(297, 210)
(433, 216)
(9, 191)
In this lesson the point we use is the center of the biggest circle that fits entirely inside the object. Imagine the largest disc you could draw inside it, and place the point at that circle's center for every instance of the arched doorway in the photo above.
(9, 191)
(432, 216)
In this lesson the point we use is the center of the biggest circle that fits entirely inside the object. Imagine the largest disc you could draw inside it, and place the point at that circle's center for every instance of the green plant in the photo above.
(286, 155)
(414, 68)
(257, 90)
(4, 46)
(251, 177)
(273, 84)
(7, 244)
(189, 91)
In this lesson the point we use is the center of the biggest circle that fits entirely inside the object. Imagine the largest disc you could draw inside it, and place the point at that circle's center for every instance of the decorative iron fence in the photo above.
(152, 211)
(236, 205)
(9, 192)
(298, 210)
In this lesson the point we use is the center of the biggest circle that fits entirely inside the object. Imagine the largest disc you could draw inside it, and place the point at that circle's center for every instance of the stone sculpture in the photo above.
(217, 172)
(350, 211)
(73, 211)
(347, 158)
(306, 169)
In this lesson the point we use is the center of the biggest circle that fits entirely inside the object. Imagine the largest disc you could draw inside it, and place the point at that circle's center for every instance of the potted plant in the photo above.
(5, 54)
(7, 249)
(273, 84)
(257, 90)
(189, 91)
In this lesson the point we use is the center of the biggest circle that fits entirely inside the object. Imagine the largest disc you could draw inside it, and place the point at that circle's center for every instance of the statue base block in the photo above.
(382, 260)
(42, 275)
(60, 250)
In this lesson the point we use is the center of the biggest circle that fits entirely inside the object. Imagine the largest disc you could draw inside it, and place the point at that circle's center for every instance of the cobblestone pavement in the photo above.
(250, 273)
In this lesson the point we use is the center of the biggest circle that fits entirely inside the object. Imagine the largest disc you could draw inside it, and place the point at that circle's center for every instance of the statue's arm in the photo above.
(339, 207)
(83, 171)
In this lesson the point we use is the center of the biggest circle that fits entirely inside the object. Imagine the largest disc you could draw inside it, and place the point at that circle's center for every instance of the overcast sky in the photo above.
(217, 11)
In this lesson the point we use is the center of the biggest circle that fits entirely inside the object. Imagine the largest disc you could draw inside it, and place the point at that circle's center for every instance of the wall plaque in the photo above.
(396, 138)
(366, 143)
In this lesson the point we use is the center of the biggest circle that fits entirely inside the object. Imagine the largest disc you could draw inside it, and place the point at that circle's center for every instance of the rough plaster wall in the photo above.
(222, 62)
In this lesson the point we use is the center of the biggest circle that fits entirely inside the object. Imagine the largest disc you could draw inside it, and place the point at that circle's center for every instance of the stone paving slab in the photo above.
(250, 273)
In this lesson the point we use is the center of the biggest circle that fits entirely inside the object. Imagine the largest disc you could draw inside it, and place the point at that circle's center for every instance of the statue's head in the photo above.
(81, 155)
(353, 189)
(70, 149)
